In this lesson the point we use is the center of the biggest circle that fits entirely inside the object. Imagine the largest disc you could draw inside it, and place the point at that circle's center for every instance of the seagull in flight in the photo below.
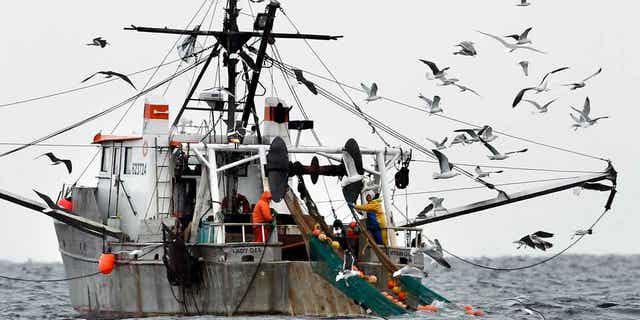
(437, 73)
(523, 3)
(541, 108)
(448, 81)
(98, 42)
(301, 79)
(534, 241)
(109, 74)
(56, 161)
(528, 310)
(542, 86)
(522, 38)
(486, 134)
(460, 139)
(372, 93)
(473, 134)
(580, 233)
(445, 167)
(466, 49)
(464, 88)
(434, 250)
(512, 47)
(525, 67)
(584, 120)
(439, 145)
(583, 83)
(496, 155)
(433, 106)
(483, 174)
(410, 271)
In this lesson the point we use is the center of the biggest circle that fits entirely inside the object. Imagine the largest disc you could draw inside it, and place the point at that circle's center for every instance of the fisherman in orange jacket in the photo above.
(262, 214)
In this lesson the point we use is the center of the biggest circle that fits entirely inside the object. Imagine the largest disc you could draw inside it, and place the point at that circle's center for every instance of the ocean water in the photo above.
(569, 287)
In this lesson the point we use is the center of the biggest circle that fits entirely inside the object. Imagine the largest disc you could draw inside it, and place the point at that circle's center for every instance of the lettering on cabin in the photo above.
(246, 250)
(404, 253)
(139, 168)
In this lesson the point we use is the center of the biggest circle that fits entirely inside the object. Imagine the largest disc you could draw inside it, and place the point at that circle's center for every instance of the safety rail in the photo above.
(287, 229)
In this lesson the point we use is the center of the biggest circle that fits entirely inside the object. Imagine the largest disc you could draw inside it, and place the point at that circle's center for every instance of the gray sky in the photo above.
(44, 52)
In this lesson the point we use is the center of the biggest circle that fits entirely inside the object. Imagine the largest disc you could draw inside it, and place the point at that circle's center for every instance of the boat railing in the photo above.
(231, 228)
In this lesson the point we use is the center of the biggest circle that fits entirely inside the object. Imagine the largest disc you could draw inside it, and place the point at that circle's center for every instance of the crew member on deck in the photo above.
(376, 221)
(262, 214)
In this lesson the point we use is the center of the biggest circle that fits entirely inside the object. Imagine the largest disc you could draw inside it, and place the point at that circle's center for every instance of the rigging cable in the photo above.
(50, 280)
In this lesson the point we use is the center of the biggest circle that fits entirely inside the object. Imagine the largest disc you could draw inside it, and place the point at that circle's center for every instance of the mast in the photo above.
(231, 25)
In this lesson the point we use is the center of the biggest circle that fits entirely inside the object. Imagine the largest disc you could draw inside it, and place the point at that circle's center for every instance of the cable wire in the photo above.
(50, 280)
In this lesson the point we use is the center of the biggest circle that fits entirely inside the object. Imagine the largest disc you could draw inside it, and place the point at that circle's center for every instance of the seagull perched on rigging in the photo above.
(496, 155)
(583, 83)
(523, 3)
(466, 49)
(434, 250)
(301, 79)
(98, 42)
(445, 167)
(542, 86)
(437, 205)
(439, 145)
(534, 241)
(109, 74)
(580, 233)
(512, 47)
(423, 214)
(484, 174)
(437, 73)
(541, 108)
(522, 38)
(56, 161)
(584, 120)
(372, 92)
(460, 139)
(410, 271)
(525, 67)
(433, 106)
(464, 88)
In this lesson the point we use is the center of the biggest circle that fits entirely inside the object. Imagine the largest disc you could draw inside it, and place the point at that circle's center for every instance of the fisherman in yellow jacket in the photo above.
(376, 221)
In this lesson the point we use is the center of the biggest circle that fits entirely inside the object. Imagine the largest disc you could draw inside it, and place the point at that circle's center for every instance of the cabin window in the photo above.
(105, 166)
(128, 159)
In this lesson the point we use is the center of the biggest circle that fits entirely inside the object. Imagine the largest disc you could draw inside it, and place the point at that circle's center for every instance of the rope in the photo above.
(571, 245)
(511, 168)
(50, 280)
(459, 121)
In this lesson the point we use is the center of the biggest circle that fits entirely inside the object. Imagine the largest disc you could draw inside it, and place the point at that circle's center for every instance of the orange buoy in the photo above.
(468, 307)
(335, 244)
(391, 284)
(361, 274)
(66, 204)
(469, 312)
(106, 263)
(316, 232)
(396, 290)
(478, 313)
(402, 295)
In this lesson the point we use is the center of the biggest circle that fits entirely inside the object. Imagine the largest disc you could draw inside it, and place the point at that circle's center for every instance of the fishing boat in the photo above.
(169, 223)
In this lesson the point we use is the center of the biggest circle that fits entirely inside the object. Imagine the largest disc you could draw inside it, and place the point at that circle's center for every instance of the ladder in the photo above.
(163, 180)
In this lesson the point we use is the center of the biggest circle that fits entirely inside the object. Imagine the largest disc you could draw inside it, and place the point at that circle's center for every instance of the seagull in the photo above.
(445, 167)
(372, 93)
(439, 145)
(437, 205)
(437, 73)
(423, 214)
(541, 109)
(56, 161)
(584, 120)
(187, 46)
(346, 274)
(542, 86)
(433, 106)
(510, 46)
(534, 240)
(434, 250)
(523, 3)
(448, 81)
(98, 42)
(473, 134)
(521, 38)
(583, 83)
(460, 139)
(466, 49)
(525, 67)
(484, 174)
(109, 74)
(464, 88)
(486, 134)
(50, 204)
(581, 233)
(410, 271)
(528, 310)
(496, 155)
(301, 79)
